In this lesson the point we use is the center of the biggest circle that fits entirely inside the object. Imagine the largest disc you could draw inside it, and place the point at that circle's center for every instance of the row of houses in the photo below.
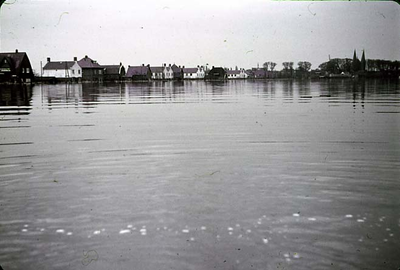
(15, 67)
(88, 69)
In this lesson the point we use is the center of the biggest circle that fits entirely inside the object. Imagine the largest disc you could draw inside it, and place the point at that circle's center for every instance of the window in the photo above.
(99, 71)
(73, 71)
(79, 71)
(27, 70)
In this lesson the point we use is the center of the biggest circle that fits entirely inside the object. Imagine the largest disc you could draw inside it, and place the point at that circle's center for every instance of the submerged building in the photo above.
(15, 67)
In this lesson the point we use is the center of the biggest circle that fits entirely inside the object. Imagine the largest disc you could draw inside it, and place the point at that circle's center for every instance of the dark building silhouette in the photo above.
(216, 73)
(113, 72)
(15, 68)
(91, 70)
(138, 73)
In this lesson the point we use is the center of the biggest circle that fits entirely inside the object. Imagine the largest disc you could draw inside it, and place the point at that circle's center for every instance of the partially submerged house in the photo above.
(91, 70)
(113, 72)
(157, 73)
(177, 72)
(193, 73)
(62, 69)
(236, 74)
(15, 67)
(138, 73)
(216, 73)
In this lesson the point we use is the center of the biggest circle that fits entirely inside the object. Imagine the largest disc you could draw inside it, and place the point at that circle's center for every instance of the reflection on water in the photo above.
(198, 175)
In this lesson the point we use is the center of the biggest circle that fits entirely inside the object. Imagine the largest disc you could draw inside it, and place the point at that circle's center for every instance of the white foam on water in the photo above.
(69, 233)
(230, 233)
(96, 232)
(230, 229)
(203, 228)
(248, 231)
(42, 229)
(143, 230)
(259, 222)
(288, 259)
(165, 228)
(26, 225)
(264, 216)
(385, 240)
(24, 230)
(312, 219)
(158, 229)
(360, 220)
(143, 233)
(185, 231)
(240, 236)
(296, 215)
(296, 256)
(218, 237)
(89, 236)
(103, 230)
(286, 255)
(124, 231)
(388, 229)
(192, 239)
(144, 226)
(237, 225)
(130, 226)
(60, 231)
(391, 235)
(349, 216)
(265, 240)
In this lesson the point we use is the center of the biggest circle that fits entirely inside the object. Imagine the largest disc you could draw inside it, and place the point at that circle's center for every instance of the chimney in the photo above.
(198, 66)
(16, 50)
(165, 64)
(120, 63)
(48, 59)
(148, 65)
(170, 65)
(142, 65)
(75, 58)
(183, 66)
(86, 56)
(212, 67)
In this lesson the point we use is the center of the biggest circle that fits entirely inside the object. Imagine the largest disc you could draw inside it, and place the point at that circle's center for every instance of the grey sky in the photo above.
(226, 33)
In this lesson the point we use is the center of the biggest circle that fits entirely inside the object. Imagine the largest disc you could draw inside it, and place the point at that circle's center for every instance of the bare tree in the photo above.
(272, 65)
(265, 66)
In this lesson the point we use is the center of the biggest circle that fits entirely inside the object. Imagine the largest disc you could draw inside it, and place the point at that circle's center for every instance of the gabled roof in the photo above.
(175, 68)
(86, 62)
(59, 65)
(111, 69)
(16, 58)
(233, 72)
(137, 70)
(157, 69)
(190, 70)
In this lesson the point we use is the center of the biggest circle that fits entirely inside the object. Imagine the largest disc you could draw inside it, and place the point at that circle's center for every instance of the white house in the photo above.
(194, 73)
(62, 69)
(237, 74)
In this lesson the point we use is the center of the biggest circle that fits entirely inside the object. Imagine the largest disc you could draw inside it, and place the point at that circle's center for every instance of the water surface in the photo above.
(196, 175)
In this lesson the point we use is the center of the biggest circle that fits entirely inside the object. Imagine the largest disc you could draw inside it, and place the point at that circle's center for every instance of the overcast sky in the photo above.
(221, 33)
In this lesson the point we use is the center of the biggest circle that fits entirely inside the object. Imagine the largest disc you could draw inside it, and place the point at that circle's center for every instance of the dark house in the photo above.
(216, 73)
(113, 72)
(138, 73)
(15, 68)
(178, 72)
(91, 70)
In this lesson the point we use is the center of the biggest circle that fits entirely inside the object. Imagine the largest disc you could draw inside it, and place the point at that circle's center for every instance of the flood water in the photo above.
(199, 175)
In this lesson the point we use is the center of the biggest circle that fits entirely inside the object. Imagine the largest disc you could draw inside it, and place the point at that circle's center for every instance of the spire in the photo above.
(356, 63)
(363, 63)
